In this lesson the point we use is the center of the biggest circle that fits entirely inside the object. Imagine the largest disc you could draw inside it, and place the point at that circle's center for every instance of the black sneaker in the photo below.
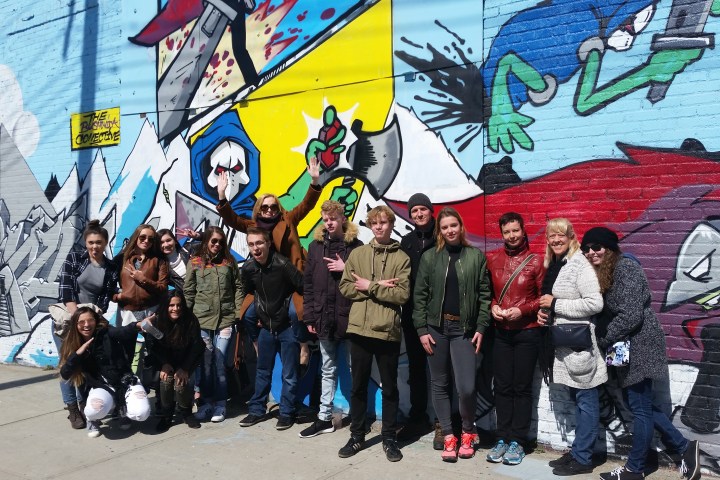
(284, 423)
(392, 451)
(164, 424)
(353, 446)
(622, 473)
(251, 420)
(191, 421)
(690, 464)
(564, 460)
(318, 427)
(573, 467)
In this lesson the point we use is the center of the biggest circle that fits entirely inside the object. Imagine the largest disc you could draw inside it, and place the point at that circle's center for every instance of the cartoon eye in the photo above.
(220, 169)
(700, 272)
(237, 168)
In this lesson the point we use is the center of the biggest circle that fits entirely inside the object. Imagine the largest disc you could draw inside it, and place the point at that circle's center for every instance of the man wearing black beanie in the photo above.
(414, 244)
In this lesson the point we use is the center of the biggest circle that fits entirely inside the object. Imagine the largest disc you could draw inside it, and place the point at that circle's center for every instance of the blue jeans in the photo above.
(213, 382)
(250, 321)
(328, 350)
(269, 344)
(70, 393)
(646, 419)
(587, 418)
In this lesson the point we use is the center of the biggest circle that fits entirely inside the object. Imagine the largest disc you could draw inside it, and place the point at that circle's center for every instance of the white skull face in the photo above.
(229, 157)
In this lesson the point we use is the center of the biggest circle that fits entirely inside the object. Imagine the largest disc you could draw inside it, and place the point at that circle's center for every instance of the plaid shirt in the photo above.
(75, 263)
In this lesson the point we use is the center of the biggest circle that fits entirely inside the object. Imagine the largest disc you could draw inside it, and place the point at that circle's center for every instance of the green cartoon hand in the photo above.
(665, 64)
(347, 196)
(715, 8)
(506, 127)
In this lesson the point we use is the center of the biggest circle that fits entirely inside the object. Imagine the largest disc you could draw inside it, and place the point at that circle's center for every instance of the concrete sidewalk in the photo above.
(38, 443)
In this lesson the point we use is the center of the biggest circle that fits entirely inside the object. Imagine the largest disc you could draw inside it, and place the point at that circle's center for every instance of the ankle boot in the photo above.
(77, 421)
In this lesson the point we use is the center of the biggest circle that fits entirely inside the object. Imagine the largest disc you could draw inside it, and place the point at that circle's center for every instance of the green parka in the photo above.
(376, 313)
(213, 292)
(473, 281)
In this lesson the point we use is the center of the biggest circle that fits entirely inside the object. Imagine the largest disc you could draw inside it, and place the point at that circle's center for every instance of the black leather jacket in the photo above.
(273, 285)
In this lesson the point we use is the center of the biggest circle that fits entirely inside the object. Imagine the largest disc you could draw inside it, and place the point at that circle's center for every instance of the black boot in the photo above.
(166, 418)
(77, 420)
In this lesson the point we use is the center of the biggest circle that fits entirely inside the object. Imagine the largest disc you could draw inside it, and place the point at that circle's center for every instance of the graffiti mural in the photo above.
(604, 112)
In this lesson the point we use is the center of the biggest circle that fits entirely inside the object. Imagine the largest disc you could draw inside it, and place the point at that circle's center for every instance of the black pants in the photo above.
(417, 373)
(386, 354)
(515, 355)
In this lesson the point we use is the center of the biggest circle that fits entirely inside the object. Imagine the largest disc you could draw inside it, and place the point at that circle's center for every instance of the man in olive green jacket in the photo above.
(377, 279)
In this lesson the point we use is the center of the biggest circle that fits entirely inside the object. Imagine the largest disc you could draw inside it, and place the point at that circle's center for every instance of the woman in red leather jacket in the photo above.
(516, 277)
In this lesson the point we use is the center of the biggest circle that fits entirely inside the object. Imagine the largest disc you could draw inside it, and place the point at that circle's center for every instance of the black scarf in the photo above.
(267, 223)
(552, 273)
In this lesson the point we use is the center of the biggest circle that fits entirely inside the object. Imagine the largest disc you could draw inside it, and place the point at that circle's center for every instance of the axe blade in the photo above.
(374, 158)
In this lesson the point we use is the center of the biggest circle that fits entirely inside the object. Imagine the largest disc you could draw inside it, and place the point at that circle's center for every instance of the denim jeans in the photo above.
(646, 419)
(70, 393)
(269, 344)
(587, 418)
(213, 382)
(250, 320)
(328, 351)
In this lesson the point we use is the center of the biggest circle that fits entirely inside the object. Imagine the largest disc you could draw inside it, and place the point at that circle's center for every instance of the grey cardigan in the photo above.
(577, 299)
(628, 310)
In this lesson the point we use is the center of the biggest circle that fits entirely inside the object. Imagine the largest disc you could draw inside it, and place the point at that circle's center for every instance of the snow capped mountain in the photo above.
(176, 178)
(95, 185)
(133, 191)
(427, 165)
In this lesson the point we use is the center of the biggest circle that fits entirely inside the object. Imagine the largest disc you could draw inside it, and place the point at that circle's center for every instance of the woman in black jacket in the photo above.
(176, 355)
(92, 356)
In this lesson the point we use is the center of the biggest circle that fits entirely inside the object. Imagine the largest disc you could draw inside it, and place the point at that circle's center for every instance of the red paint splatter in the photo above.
(202, 47)
(225, 54)
(169, 43)
(225, 84)
(327, 14)
(192, 42)
(276, 37)
(231, 62)
(186, 33)
(271, 9)
(186, 80)
(215, 60)
(228, 72)
(302, 16)
(179, 45)
(267, 31)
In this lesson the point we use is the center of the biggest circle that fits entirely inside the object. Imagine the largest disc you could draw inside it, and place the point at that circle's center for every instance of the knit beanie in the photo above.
(419, 199)
(603, 236)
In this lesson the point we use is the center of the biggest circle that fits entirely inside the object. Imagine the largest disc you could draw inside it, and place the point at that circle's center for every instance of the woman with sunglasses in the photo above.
(143, 283)
(213, 293)
(629, 316)
(517, 277)
(269, 214)
(571, 294)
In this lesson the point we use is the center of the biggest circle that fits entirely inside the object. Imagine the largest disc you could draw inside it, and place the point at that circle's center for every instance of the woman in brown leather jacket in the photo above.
(516, 277)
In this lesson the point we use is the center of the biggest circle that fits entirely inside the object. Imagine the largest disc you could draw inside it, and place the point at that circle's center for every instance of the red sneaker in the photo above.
(449, 453)
(467, 445)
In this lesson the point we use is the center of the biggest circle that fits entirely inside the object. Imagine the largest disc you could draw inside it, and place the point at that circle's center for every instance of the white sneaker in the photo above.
(93, 429)
(218, 414)
(204, 411)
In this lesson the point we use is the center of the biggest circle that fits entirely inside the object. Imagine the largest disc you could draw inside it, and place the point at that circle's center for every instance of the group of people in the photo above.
(433, 288)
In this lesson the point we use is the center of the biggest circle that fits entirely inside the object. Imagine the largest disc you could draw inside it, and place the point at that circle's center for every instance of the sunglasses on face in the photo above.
(215, 241)
(595, 247)
(148, 238)
(269, 208)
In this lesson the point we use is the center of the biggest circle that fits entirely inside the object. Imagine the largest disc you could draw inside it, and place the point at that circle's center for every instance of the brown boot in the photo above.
(76, 419)
(439, 438)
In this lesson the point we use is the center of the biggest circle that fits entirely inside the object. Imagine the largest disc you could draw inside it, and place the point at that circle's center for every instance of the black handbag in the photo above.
(571, 335)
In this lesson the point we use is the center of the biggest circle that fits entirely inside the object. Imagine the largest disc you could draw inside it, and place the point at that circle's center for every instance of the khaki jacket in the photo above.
(376, 312)
(213, 292)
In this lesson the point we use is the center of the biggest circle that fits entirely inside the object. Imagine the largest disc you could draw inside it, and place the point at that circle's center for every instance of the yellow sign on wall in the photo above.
(99, 128)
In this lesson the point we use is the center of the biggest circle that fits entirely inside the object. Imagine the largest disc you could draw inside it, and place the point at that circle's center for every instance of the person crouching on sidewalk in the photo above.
(272, 279)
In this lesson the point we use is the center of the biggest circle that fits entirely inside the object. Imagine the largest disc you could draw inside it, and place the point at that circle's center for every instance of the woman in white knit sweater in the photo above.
(575, 298)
